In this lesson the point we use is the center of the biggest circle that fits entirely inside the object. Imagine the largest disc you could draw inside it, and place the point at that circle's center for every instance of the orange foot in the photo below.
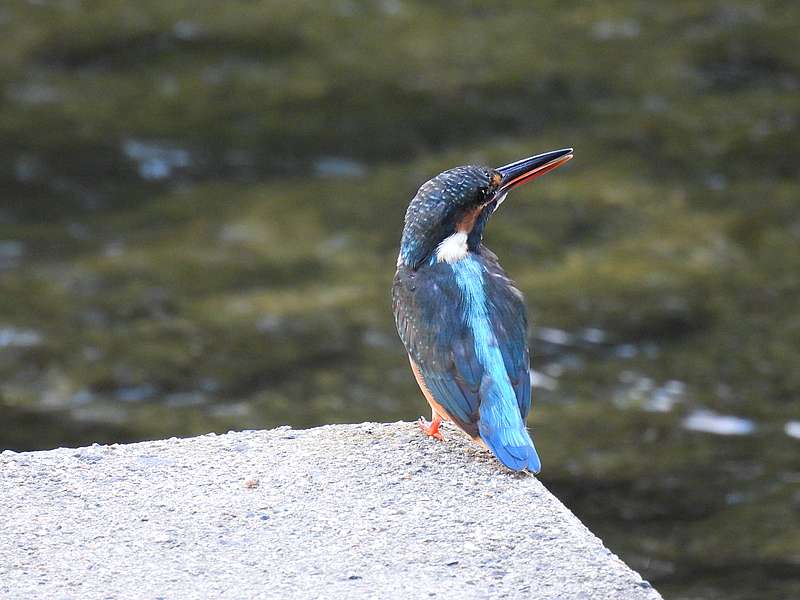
(431, 429)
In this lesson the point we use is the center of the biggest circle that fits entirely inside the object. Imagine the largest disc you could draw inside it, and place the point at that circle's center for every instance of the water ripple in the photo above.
(708, 421)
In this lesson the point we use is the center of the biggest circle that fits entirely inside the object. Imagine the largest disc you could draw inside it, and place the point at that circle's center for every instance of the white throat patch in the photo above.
(453, 248)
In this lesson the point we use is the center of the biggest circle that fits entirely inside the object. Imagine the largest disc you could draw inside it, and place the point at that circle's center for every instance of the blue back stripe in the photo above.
(498, 401)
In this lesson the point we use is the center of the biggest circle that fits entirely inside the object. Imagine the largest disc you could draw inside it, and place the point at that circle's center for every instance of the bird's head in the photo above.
(447, 216)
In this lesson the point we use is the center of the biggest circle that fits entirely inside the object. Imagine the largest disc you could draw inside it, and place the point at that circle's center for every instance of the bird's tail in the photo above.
(502, 429)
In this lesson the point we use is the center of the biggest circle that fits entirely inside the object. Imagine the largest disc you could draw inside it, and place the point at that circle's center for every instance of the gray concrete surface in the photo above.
(343, 511)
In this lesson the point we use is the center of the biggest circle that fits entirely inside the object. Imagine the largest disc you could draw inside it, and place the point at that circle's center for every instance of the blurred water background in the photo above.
(201, 202)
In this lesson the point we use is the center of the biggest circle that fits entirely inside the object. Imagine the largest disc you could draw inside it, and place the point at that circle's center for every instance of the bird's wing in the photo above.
(456, 390)
(438, 341)
(441, 345)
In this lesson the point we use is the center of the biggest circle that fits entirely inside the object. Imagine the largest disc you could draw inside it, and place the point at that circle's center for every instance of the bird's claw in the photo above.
(431, 429)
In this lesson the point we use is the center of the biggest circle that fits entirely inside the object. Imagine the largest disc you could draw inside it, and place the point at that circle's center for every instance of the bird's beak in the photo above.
(524, 170)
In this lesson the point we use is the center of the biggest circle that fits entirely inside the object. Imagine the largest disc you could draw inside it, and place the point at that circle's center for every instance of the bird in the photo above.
(460, 317)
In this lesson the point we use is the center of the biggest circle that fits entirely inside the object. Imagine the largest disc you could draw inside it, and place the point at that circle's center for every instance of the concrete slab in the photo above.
(342, 511)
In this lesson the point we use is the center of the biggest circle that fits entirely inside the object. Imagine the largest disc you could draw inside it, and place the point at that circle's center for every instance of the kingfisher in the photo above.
(461, 319)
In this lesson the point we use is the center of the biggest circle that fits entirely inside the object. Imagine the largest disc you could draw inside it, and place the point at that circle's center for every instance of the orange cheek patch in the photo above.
(467, 222)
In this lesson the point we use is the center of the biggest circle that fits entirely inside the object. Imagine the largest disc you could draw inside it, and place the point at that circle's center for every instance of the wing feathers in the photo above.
(429, 314)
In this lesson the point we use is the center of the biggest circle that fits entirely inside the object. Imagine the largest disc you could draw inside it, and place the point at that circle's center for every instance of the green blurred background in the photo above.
(201, 202)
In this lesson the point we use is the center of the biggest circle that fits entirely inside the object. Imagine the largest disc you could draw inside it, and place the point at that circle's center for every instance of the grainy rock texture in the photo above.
(343, 511)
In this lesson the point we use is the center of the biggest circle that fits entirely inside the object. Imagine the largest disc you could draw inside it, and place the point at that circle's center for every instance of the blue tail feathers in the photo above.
(516, 458)
(502, 429)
